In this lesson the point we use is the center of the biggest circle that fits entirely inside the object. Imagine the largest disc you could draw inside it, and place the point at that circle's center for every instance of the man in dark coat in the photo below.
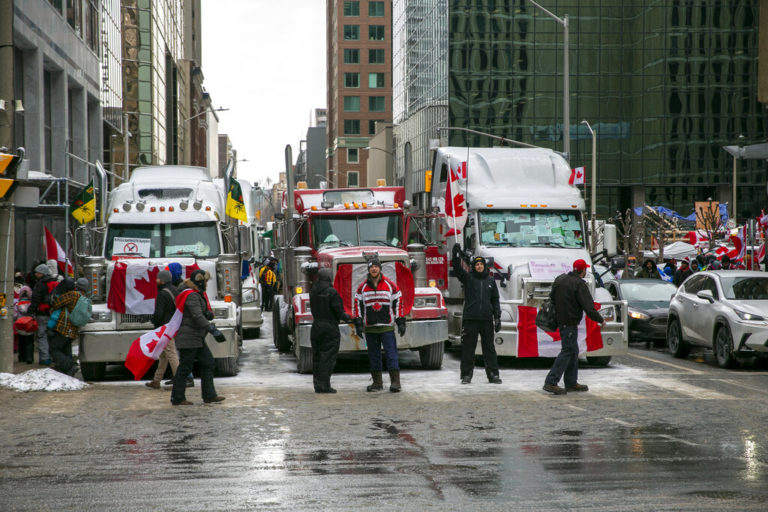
(682, 273)
(165, 307)
(190, 340)
(327, 311)
(481, 315)
(571, 298)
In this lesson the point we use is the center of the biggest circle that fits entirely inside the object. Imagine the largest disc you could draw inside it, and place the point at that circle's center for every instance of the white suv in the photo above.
(725, 310)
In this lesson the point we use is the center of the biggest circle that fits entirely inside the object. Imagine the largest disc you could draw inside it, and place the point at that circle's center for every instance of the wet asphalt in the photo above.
(653, 433)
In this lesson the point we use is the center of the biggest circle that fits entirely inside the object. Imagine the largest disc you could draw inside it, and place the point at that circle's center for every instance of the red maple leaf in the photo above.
(376, 306)
(148, 287)
(458, 205)
(151, 346)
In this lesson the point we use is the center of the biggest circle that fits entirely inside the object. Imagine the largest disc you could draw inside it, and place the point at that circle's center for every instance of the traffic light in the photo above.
(8, 167)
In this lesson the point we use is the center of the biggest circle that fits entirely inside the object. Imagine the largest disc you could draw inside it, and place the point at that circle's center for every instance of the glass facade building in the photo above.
(665, 85)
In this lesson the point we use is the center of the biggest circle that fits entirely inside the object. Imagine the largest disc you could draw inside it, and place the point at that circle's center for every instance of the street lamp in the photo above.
(566, 87)
(185, 121)
(594, 182)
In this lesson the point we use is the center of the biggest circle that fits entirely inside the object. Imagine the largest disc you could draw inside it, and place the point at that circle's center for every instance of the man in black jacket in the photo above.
(165, 307)
(482, 315)
(327, 310)
(572, 298)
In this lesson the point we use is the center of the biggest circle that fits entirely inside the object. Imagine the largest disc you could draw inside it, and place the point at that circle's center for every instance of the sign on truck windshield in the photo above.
(189, 240)
(531, 228)
(357, 230)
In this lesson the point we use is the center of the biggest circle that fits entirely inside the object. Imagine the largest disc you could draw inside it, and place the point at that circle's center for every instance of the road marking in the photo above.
(691, 370)
(681, 387)
(732, 383)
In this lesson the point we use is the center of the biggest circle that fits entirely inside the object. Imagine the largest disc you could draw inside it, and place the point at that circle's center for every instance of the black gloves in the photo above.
(400, 326)
(346, 318)
(456, 251)
(496, 324)
(208, 314)
(216, 333)
(359, 326)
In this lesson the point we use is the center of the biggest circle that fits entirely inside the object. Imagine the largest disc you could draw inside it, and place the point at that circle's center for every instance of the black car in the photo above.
(648, 307)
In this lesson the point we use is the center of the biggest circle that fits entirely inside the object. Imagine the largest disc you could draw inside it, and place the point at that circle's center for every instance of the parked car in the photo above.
(725, 310)
(648, 301)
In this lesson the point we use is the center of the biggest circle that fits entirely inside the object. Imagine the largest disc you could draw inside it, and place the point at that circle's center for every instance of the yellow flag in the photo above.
(235, 206)
(84, 207)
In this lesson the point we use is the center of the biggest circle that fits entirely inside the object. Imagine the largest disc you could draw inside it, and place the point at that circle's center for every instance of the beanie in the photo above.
(43, 269)
(165, 276)
(374, 261)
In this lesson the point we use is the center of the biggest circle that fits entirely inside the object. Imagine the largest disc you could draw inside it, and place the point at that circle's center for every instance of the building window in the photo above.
(376, 56)
(352, 156)
(352, 80)
(351, 103)
(375, 33)
(375, 80)
(376, 104)
(351, 8)
(352, 179)
(372, 125)
(376, 9)
(351, 127)
(351, 32)
(74, 7)
(351, 56)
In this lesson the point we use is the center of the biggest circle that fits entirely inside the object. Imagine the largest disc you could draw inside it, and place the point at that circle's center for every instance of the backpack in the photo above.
(81, 313)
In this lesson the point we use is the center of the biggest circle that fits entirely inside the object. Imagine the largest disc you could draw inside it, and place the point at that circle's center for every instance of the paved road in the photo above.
(653, 433)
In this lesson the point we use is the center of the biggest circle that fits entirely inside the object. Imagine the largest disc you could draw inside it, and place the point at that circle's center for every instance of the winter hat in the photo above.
(686, 261)
(43, 269)
(165, 276)
(81, 284)
(374, 261)
(200, 278)
(18, 277)
(479, 259)
(175, 270)
(53, 265)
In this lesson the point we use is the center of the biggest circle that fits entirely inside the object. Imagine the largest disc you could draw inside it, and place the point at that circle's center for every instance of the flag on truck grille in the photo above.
(53, 251)
(534, 342)
(235, 206)
(83, 208)
(133, 286)
(146, 349)
(350, 275)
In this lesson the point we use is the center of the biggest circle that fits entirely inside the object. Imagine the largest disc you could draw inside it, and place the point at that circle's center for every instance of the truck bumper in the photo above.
(251, 313)
(417, 334)
(113, 346)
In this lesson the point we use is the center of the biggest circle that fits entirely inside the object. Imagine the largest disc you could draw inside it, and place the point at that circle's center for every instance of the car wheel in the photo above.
(724, 347)
(677, 345)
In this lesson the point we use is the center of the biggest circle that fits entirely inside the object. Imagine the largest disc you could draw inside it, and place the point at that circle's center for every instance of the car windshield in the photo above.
(196, 240)
(348, 230)
(531, 228)
(650, 292)
(745, 288)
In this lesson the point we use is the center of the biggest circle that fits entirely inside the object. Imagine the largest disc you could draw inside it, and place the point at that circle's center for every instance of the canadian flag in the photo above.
(534, 342)
(133, 288)
(349, 276)
(53, 251)
(577, 176)
(146, 349)
(454, 205)
(697, 237)
(739, 241)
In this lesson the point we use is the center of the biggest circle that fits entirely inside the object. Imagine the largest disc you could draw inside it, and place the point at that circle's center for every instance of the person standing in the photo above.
(40, 307)
(64, 331)
(22, 298)
(165, 307)
(377, 308)
(682, 273)
(327, 311)
(648, 271)
(268, 281)
(571, 298)
(481, 316)
(190, 340)
(177, 272)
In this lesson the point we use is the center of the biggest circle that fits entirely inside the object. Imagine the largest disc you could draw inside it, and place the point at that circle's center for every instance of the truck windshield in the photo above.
(191, 240)
(531, 228)
(347, 230)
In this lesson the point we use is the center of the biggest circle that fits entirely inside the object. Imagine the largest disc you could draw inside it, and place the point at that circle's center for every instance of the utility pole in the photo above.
(7, 256)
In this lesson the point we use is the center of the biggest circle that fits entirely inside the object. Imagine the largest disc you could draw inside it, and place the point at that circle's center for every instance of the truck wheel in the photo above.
(279, 333)
(227, 366)
(431, 356)
(304, 360)
(599, 360)
(93, 371)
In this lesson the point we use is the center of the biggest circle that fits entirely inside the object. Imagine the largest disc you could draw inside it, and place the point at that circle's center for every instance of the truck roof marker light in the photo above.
(365, 205)
(184, 205)
(170, 208)
(489, 206)
(197, 204)
(152, 209)
(356, 205)
(574, 206)
(115, 210)
(396, 205)
(432, 283)
(162, 208)
(346, 205)
(301, 184)
(127, 207)
(207, 208)
(534, 206)
(381, 182)
(523, 206)
(314, 208)
(543, 205)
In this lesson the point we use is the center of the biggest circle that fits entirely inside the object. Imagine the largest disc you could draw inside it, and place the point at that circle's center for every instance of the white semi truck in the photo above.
(528, 221)
(164, 214)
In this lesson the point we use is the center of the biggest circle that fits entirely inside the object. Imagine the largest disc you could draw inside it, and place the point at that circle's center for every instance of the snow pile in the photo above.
(45, 379)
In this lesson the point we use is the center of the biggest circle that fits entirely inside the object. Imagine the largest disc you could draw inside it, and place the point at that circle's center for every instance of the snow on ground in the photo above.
(44, 379)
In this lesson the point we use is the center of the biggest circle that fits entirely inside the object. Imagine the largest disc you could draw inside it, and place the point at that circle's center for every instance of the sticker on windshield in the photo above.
(137, 247)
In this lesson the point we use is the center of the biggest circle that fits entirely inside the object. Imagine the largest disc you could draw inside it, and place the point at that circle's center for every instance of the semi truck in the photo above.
(342, 229)
(527, 220)
(163, 214)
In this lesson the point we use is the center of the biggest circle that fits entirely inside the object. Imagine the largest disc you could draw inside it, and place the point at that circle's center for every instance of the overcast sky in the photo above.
(265, 61)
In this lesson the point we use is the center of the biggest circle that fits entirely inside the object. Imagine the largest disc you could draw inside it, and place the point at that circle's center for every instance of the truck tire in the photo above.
(599, 360)
(304, 360)
(279, 333)
(431, 356)
(93, 371)
(227, 366)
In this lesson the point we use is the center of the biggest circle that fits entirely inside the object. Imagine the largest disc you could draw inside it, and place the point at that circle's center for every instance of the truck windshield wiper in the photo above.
(125, 254)
(547, 244)
(377, 242)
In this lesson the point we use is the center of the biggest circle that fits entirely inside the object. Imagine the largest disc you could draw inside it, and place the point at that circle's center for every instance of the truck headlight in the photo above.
(637, 315)
(101, 316)
(425, 302)
(220, 313)
(608, 313)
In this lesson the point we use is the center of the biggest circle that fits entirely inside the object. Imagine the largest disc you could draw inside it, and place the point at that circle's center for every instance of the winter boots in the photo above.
(377, 385)
(394, 379)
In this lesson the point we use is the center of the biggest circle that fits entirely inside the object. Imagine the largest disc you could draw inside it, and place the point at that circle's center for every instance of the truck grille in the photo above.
(127, 320)
(536, 293)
